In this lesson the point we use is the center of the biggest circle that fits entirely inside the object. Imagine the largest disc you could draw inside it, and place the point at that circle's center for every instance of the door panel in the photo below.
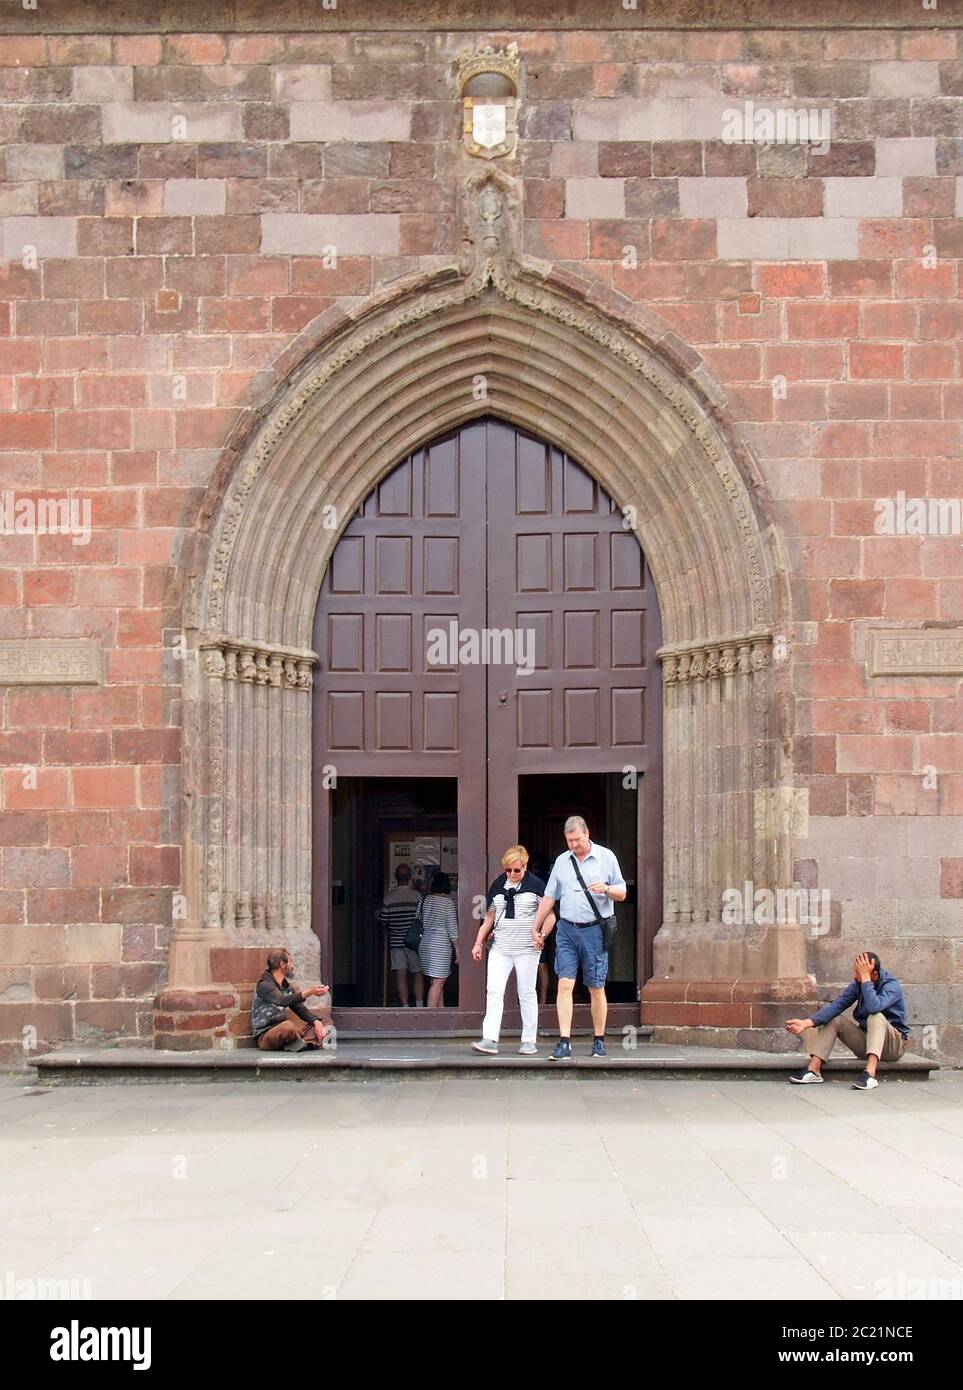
(488, 528)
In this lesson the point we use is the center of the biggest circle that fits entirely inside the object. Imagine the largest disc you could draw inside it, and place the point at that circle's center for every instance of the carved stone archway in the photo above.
(581, 366)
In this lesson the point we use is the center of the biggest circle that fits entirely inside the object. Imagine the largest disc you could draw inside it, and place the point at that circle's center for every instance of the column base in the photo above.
(727, 1013)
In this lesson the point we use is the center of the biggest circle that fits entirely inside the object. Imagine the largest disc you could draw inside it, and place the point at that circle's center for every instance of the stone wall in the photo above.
(167, 203)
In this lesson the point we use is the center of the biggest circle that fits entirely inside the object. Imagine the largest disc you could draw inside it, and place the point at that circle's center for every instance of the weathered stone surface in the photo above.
(169, 202)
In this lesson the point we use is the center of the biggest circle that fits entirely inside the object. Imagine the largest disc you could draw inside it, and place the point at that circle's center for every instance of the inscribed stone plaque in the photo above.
(50, 661)
(926, 652)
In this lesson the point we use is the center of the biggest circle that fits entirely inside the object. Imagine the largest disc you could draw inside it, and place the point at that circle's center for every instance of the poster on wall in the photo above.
(422, 854)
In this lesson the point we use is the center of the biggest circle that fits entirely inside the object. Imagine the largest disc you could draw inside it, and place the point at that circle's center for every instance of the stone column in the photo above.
(727, 823)
(247, 829)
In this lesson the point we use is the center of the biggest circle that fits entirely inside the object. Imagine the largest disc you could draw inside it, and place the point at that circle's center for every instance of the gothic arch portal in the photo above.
(603, 380)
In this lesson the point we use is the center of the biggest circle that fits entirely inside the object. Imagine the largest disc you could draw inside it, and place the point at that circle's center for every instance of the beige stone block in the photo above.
(302, 83)
(194, 197)
(586, 199)
(95, 86)
(859, 197)
(711, 197)
(824, 238)
(28, 163)
(909, 157)
(18, 199)
(163, 122)
(306, 234)
(330, 121)
(752, 238)
(32, 945)
(901, 79)
(93, 942)
(53, 238)
(629, 118)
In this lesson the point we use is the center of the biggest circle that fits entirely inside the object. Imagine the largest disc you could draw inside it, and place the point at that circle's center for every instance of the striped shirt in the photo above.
(514, 933)
(440, 919)
(398, 912)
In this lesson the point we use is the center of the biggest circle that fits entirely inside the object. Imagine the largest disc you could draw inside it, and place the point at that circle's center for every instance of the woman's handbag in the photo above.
(416, 931)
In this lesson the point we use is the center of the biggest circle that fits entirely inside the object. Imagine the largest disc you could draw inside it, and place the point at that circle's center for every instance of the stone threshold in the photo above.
(440, 1059)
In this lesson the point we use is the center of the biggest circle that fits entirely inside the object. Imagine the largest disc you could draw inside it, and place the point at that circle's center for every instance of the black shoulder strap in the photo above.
(592, 903)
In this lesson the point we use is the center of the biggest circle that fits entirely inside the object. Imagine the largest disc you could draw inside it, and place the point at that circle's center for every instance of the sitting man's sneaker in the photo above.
(486, 1045)
(806, 1078)
(295, 1045)
(598, 1048)
(562, 1051)
(528, 1050)
(865, 1082)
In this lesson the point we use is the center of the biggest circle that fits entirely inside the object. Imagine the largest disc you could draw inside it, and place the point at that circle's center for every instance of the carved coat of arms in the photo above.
(488, 82)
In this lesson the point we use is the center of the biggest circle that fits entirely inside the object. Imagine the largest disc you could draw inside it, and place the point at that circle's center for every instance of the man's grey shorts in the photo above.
(404, 958)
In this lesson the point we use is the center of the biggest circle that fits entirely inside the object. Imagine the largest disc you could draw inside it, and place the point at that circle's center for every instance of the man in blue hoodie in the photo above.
(877, 1027)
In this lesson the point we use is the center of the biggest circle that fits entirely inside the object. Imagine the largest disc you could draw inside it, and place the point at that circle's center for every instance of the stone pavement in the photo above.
(509, 1188)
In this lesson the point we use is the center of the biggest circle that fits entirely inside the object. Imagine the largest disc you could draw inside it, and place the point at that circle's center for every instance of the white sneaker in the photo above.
(486, 1045)
(528, 1050)
(806, 1078)
(865, 1083)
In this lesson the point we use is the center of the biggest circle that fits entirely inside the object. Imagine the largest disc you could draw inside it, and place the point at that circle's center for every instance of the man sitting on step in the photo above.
(279, 1015)
(877, 1027)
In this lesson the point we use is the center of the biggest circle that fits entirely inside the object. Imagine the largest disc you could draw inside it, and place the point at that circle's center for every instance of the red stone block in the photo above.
(34, 789)
(951, 878)
(675, 239)
(876, 753)
(725, 1015)
(104, 786)
(820, 321)
(856, 598)
(878, 362)
(669, 1013)
(889, 321)
(183, 1001)
(27, 429)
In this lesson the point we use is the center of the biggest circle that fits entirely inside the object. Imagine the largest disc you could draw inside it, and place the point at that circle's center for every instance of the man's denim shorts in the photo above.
(575, 946)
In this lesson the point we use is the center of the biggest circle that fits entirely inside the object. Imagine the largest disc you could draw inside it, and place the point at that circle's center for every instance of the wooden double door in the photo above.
(487, 632)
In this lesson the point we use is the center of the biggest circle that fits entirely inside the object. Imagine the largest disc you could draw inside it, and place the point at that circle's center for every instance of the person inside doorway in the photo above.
(586, 882)
(280, 1018)
(397, 915)
(439, 937)
(876, 1028)
(512, 903)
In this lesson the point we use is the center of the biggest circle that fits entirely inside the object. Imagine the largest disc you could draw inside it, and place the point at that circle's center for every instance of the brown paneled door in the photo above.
(509, 548)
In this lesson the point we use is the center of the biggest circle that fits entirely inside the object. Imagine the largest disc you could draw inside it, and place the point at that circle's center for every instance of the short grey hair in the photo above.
(574, 823)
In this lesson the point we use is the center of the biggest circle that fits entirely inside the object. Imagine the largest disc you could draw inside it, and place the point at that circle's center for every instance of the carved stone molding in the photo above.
(728, 656)
(229, 658)
(567, 359)
(492, 263)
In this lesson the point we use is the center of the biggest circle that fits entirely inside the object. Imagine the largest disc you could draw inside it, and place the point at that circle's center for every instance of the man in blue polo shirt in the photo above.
(580, 939)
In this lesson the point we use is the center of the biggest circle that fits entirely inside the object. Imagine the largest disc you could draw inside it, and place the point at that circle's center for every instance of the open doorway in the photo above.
(386, 831)
(611, 810)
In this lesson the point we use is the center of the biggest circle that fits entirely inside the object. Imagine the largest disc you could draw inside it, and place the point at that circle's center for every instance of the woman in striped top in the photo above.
(439, 920)
(512, 904)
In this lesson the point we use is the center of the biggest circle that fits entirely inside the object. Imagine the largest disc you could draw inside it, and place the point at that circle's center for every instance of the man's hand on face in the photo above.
(863, 968)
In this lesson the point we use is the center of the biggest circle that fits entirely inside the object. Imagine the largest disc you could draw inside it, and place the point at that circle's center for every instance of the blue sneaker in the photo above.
(598, 1048)
(562, 1052)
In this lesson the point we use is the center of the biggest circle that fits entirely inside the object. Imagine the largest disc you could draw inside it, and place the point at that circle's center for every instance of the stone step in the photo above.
(440, 1058)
